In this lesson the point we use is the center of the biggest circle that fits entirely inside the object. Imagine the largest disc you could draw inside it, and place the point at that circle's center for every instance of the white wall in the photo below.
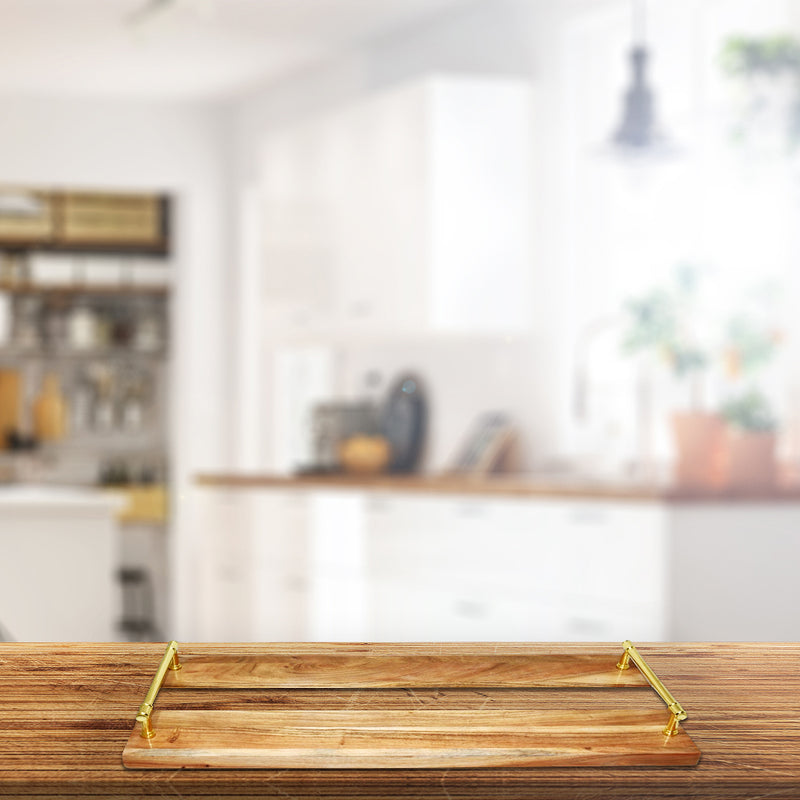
(176, 149)
(487, 37)
(592, 250)
(462, 378)
(501, 37)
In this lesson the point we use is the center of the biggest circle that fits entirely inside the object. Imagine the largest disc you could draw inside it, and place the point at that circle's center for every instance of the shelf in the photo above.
(93, 354)
(78, 289)
(90, 222)
(86, 247)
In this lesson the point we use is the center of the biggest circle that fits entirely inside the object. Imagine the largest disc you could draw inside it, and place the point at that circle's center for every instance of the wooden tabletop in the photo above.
(66, 712)
(510, 485)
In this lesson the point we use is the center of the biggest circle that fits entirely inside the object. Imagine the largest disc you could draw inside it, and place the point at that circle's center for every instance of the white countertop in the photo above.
(16, 496)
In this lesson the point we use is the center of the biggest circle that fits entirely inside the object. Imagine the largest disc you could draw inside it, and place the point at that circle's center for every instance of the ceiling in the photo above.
(193, 49)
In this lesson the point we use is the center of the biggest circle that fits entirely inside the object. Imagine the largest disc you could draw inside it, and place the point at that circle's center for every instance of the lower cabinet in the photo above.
(345, 566)
(400, 611)
(528, 570)
(253, 581)
(734, 572)
(57, 565)
(358, 566)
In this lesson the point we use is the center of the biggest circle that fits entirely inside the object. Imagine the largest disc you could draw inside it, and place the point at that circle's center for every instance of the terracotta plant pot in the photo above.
(699, 442)
(749, 459)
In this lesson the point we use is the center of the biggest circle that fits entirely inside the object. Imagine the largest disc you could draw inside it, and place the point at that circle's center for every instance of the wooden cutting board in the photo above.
(418, 739)
(387, 738)
(386, 672)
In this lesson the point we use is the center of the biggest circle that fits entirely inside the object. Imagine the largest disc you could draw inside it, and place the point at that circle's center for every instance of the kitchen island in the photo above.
(68, 710)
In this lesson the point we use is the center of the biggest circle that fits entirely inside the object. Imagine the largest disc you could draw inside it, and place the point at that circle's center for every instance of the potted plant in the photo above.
(750, 437)
(664, 321)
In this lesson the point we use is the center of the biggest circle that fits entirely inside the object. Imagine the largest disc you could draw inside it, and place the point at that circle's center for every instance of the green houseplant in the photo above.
(734, 445)
(751, 426)
(767, 71)
(664, 321)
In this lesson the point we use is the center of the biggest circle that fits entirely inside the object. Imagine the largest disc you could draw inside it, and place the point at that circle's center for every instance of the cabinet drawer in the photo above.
(398, 611)
(496, 542)
(613, 621)
(336, 534)
(281, 607)
(280, 537)
(227, 521)
(615, 552)
(228, 603)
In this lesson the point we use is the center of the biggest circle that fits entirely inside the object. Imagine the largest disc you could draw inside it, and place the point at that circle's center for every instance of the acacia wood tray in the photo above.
(424, 738)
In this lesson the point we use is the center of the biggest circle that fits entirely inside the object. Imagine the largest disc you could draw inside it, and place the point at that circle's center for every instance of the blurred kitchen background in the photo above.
(399, 319)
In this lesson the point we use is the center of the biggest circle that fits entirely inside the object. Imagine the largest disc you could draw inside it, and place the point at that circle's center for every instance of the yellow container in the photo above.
(143, 504)
(50, 411)
(364, 455)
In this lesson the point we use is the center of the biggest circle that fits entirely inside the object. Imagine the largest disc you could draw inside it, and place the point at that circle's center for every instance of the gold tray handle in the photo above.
(677, 714)
(168, 661)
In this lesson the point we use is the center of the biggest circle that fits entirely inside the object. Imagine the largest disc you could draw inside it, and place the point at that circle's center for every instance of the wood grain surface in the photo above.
(67, 710)
(511, 485)
(341, 671)
(407, 740)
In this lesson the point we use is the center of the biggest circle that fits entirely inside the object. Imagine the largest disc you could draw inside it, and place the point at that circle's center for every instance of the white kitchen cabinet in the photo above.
(454, 610)
(295, 244)
(363, 565)
(225, 581)
(57, 564)
(355, 565)
(337, 536)
(735, 571)
(616, 570)
(407, 212)
(253, 578)
(445, 568)
(280, 546)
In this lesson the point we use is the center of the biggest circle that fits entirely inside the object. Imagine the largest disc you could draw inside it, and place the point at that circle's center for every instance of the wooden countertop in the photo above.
(502, 486)
(67, 711)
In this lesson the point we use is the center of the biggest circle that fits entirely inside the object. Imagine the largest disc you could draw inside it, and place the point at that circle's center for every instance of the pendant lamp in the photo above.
(638, 133)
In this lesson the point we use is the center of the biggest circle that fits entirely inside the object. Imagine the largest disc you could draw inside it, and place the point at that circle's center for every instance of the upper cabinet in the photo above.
(408, 212)
(77, 221)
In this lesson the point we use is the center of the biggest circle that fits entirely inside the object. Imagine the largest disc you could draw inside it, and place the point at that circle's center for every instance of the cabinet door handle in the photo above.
(588, 516)
(472, 510)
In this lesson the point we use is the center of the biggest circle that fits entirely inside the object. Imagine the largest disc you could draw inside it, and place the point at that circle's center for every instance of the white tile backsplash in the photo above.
(462, 378)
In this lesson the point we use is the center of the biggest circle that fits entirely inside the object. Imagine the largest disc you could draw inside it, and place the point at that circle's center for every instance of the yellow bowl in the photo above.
(364, 455)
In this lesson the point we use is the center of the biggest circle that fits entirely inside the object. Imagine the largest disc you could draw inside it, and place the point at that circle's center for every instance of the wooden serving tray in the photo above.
(423, 738)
